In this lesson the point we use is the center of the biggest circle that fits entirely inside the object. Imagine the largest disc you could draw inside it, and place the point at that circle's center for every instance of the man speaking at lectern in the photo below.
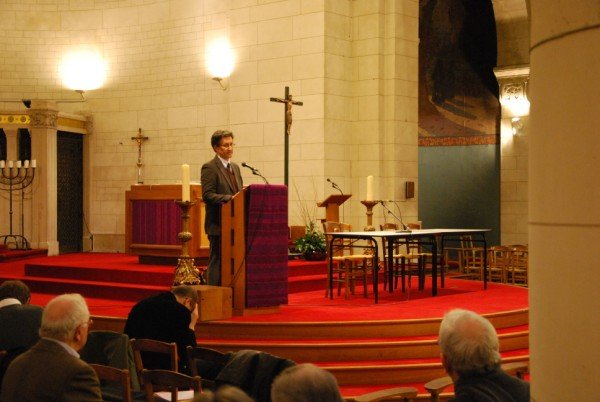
(220, 179)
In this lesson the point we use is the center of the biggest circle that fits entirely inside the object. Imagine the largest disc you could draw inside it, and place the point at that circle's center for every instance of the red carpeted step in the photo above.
(148, 275)
(9, 255)
(303, 267)
(118, 291)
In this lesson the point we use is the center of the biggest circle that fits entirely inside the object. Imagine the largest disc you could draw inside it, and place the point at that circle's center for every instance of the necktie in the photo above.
(232, 178)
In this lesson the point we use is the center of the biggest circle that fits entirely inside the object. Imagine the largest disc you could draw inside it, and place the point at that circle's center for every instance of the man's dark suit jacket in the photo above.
(217, 189)
(46, 373)
(162, 318)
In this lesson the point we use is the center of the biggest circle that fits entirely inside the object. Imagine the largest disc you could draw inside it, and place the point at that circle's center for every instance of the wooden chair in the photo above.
(152, 346)
(472, 257)
(498, 260)
(211, 358)
(348, 267)
(519, 265)
(168, 380)
(437, 386)
(407, 258)
(114, 375)
(400, 393)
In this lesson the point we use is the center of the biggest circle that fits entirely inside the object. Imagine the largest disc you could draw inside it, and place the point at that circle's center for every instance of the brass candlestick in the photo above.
(185, 271)
(369, 205)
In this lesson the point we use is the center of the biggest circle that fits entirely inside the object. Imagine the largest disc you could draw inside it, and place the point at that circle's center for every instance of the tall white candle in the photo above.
(185, 182)
(369, 188)
(26, 164)
(18, 164)
(33, 163)
(2, 164)
(10, 164)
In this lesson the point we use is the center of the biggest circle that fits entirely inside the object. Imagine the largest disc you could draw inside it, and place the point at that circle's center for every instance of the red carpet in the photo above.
(114, 282)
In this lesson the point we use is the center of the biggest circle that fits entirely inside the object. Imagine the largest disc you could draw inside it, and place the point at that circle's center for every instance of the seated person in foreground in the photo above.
(305, 383)
(167, 317)
(19, 321)
(52, 370)
(470, 354)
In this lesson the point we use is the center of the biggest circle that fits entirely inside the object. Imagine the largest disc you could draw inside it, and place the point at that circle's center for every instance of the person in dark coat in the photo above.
(167, 317)
(220, 179)
(19, 321)
(470, 355)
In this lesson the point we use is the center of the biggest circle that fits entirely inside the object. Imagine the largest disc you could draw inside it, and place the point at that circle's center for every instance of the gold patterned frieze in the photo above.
(44, 118)
(15, 119)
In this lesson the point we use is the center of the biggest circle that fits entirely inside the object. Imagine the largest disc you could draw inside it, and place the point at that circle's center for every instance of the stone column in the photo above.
(43, 127)
(564, 227)
(514, 152)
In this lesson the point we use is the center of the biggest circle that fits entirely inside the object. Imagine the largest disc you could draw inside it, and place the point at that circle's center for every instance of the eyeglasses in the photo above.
(226, 146)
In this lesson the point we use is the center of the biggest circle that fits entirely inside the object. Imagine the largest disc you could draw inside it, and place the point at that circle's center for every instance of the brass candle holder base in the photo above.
(369, 205)
(186, 273)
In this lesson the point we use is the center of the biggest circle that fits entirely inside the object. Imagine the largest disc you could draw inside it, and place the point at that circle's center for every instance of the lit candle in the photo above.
(369, 188)
(185, 182)
(18, 164)
(2, 164)
(33, 163)
(26, 165)
(10, 164)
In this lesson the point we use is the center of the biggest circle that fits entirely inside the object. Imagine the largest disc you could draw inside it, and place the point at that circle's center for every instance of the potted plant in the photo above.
(312, 245)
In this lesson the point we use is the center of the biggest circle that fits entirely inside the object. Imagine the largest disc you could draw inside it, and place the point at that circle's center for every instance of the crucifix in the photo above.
(287, 127)
(140, 140)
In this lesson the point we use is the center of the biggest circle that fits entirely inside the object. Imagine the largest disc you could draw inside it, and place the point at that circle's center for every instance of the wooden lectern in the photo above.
(332, 206)
(254, 237)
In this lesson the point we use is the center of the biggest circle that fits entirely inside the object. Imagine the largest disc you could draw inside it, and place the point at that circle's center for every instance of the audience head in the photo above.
(226, 393)
(469, 343)
(305, 383)
(66, 318)
(15, 290)
(186, 295)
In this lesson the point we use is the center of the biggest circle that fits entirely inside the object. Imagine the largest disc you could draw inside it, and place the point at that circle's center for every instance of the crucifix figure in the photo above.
(287, 126)
(140, 140)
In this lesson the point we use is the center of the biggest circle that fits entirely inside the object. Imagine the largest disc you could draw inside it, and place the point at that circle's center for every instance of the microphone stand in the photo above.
(405, 228)
(257, 173)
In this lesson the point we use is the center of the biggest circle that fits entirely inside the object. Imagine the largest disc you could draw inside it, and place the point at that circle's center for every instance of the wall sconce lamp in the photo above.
(220, 60)
(517, 125)
(27, 102)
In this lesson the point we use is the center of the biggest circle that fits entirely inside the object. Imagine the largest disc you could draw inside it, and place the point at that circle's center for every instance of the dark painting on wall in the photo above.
(458, 92)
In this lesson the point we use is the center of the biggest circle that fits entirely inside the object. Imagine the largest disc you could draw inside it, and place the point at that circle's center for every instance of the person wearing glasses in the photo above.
(52, 370)
(221, 179)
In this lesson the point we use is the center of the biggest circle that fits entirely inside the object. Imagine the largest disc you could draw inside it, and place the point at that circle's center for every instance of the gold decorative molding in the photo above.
(15, 119)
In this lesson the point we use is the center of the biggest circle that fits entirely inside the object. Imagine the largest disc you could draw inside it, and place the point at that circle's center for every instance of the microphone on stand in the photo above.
(399, 219)
(254, 171)
(335, 186)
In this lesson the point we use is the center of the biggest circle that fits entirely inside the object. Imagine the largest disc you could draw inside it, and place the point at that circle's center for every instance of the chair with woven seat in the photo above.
(348, 267)
(154, 348)
(519, 265)
(498, 261)
(472, 257)
(407, 258)
(398, 394)
(437, 386)
(154, 380)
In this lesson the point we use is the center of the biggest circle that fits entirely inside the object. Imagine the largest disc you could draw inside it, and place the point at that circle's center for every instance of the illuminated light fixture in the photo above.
(82, 71)
(517, 125)
(514, 85)
(220, 60)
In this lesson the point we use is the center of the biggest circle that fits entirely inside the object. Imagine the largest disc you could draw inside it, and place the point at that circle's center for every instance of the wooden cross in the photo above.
(287, 127)
(140, 140)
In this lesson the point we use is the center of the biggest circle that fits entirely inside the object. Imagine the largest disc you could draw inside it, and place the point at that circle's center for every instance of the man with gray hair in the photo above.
(52, 370)
(470, 354)
(305, 383)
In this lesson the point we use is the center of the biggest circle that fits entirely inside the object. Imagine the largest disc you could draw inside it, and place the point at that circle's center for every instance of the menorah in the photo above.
(16, 177)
